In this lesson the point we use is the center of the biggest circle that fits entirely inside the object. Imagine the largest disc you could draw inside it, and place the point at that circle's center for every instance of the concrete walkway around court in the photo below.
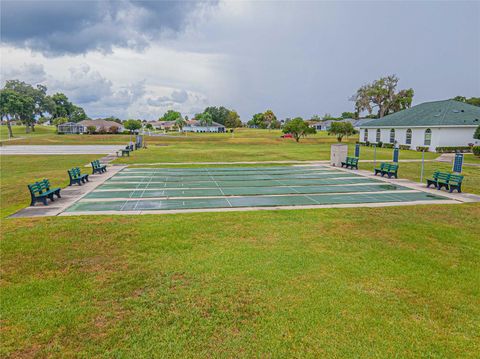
(59, 149)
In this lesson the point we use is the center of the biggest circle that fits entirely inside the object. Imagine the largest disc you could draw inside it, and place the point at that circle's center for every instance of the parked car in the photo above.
(287, 135)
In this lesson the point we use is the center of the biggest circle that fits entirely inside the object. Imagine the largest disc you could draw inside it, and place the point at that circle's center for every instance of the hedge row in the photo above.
(453, 149)
(476, 150)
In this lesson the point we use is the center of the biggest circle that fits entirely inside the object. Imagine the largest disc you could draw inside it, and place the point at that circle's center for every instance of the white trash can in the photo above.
(338, 154)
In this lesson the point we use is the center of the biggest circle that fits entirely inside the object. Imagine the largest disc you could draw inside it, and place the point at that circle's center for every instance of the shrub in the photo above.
(367, 143)
(422, 148)
(452, 149)
(379, 144)
(388, 145)
(114, 129)
(476, 150)
(404, 147)
(102, 130)
(91, 130)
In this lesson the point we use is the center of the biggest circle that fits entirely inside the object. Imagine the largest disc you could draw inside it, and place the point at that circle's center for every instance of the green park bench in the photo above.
(124, 151)
(389, 169)
(448, 180)
(97, 167)
(40, 191)
(76, 176)
(351, 162)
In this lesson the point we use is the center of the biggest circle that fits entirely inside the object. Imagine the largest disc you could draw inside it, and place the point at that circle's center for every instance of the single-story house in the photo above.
(324, 125)
(101, 125)
(163, 125)
(447, 123)
(70, 128)
(195, 126)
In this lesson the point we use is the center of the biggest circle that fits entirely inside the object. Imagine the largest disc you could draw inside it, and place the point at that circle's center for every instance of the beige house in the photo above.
(101, 125)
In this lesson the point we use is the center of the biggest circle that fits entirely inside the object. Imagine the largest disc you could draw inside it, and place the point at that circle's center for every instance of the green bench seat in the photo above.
(97, 167)
(40, 191)
(450, 181)
(389, 169)
(351, 162)
(76, 176)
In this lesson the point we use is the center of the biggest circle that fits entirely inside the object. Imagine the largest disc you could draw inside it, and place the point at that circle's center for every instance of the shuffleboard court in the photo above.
(167, 189)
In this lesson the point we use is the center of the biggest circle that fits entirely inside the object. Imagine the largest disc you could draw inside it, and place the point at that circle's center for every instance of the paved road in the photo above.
(59, 149)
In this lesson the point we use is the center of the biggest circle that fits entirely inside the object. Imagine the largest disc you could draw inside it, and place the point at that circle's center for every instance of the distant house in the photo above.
(195, 126)
(101, 125)
(430, 124)
(70, 128)
(163, 125)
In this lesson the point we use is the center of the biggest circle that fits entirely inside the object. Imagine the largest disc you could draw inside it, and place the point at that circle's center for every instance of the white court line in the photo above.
(141, 196)
(219, 188)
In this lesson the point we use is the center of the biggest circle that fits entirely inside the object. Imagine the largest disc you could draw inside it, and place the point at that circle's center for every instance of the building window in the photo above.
(408, 140)
(378, 136)
(428, 137)
(365, 135)
(392, 136)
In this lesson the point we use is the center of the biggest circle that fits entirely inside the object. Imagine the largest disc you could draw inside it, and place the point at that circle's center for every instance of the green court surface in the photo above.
(143, 189)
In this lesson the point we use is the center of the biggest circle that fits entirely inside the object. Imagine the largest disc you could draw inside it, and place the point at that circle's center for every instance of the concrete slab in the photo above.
(59, 149)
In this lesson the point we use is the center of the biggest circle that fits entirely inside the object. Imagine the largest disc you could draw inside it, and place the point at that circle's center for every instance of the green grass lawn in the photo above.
(360, 282)
(308, 283)
(19, 171)
(19, 132)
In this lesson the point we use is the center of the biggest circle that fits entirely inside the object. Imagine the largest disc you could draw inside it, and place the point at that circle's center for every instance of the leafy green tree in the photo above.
(206, 120)
(132, 125)
(475, 101)
(10, 107)
(298, 128)
(149, 126)
(315, 118)
(257, 121)
(219, 114)
(233, 120)
(348, 115)
(91, 130)
(341, 129)
(476, 135)
(381, 94)
(77, 114)
(180, 122)
(171, 115)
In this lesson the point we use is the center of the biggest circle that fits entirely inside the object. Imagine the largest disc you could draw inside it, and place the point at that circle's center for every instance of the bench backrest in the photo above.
(455, 178)
(74, 172)
(95, 163)
(443, 176)
(435, 174)
(39, 187)
(392, 167)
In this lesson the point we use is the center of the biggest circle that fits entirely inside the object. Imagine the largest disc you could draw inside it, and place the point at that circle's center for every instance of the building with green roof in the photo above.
(431, 124)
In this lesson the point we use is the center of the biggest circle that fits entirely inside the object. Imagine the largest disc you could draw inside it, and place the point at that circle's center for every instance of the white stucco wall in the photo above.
(441, 136)
(203, 129)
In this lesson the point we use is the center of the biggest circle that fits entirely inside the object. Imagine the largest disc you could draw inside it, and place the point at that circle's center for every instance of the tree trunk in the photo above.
(33, 127)
(9, 126)
(381, 111)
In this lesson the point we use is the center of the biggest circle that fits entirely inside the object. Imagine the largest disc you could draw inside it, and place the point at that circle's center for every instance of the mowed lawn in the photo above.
(361, 282)
(307, 283)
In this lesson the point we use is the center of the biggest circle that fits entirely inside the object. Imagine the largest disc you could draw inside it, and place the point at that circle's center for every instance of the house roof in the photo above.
(197, 123)
(99, 123)
(437, 113)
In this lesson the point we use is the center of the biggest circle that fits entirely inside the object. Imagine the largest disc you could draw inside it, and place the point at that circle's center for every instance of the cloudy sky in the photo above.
(140, 58)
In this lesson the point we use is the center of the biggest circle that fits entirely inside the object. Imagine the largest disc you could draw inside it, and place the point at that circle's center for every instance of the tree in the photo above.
(476, 135)
(348, 115)
(149, 126)
(91, 130)
(475, 101)
(77, 114)
(381, 94)
(132, 125)
(10, 107)
(206, 119)
(113, 129)
(257, 121)
(59, 120)
(270, 119)
(233, 120)
(219, 114)
(298, 128)
(171, 115)
(180, 123)
(341, 129)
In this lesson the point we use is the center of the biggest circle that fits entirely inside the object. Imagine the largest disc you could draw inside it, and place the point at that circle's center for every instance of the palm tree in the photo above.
(180, 122)
(206, 120)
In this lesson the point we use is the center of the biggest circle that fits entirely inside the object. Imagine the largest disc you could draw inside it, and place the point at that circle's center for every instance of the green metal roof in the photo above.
(437, 113)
